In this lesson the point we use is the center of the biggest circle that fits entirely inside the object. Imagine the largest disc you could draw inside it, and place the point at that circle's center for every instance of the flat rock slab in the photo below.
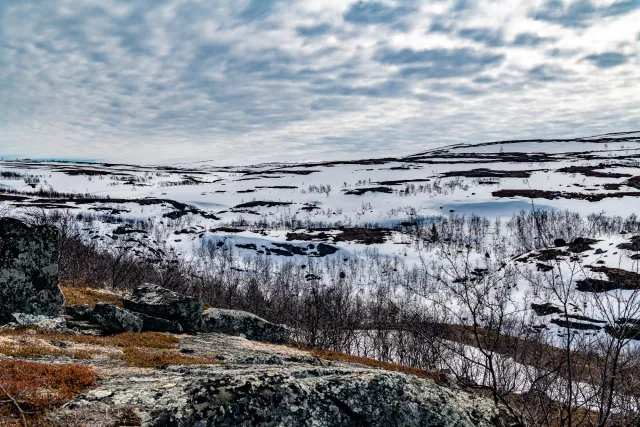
(247, 390)
(28, 270)
(236, 322)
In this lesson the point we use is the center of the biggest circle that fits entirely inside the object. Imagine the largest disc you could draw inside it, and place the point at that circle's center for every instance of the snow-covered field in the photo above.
(326, 210)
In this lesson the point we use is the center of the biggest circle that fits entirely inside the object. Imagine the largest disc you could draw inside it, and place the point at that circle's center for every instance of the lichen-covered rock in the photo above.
(235, 322)
(38, 321)
(156, 301)
(289, 395)
(156, 324)
(260, 384)
(28, 270)
(79, 311)
(113, 319)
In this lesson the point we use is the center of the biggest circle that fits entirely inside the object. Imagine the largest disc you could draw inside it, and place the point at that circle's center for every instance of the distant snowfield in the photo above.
(266, 210)
(384, 192)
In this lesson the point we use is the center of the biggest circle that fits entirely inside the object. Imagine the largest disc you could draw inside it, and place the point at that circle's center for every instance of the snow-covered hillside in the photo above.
(386, 207)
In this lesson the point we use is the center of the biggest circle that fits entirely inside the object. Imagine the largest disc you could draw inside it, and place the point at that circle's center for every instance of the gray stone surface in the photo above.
(28, 270)
(262, 384)
(235, 322)
(113, 319)
(79, 311)
(38, 321)
(156, 324)
(156, 301)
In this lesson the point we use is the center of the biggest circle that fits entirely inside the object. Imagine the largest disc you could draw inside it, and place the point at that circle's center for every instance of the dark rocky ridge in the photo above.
(28, 270)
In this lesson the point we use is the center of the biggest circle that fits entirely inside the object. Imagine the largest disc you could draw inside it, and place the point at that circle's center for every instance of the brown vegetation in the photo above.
(490, 173)
(83, 295)
(28, 390)
(145, 350)
(550, 195)
(154, 358)
(373, 363)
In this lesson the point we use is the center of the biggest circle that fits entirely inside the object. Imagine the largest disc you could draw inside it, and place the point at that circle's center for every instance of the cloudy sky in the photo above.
(247, 81)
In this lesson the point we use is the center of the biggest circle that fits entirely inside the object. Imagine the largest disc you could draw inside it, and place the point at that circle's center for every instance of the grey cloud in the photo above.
(371, 12)
(487, 36)
(462, 5)
(387, 89)
(464, 91)
(216, 73)
(439, 63)
(258, 9)
(582, 12)
(437, 27)
(607, 59)
(484, 79)
(313, 31)
(548, 73)
(530, 39)
(332, 104)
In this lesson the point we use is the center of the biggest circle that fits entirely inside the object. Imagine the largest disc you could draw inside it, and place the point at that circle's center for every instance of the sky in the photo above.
(251, 81)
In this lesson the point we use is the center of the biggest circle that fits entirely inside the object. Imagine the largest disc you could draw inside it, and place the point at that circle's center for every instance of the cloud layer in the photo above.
(279, 80)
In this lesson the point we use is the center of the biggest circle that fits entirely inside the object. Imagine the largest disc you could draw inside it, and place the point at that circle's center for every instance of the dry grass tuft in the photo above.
(159, 359)
(27, 350)
(157, 340)
(387, 366)
(144, 350)
(127, 339)
(38, 388)
(75, 295)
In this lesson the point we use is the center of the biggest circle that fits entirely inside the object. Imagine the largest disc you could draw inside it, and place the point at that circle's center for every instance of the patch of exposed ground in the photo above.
(593, 171)
(617, 279)
(361, 235)
(551, 195)
(261, 203)
(282, 171)
(403, 181)
(632, 245)
(364, 190)
(490, 173)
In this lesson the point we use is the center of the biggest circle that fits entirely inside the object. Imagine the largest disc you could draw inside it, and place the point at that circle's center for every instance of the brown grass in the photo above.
(77, 295)
(27, 350)
(387, 366)
(159, 359)
(38, 388)
(144, 350)
(126, 339)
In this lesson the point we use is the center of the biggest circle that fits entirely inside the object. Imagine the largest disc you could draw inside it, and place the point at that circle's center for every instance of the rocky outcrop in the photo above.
(79, 311)
(28, 270)
(260, 384)
(156, 324)
(235, 322)
(113, 319)
(156, 301)
(38, 321)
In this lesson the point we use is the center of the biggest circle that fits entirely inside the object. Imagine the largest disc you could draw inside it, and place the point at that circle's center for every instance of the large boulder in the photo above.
(156, 324)
(28, 270)
(113, 319)
(288, 395)
(235, 322)
(79, 311)
(156, 301)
